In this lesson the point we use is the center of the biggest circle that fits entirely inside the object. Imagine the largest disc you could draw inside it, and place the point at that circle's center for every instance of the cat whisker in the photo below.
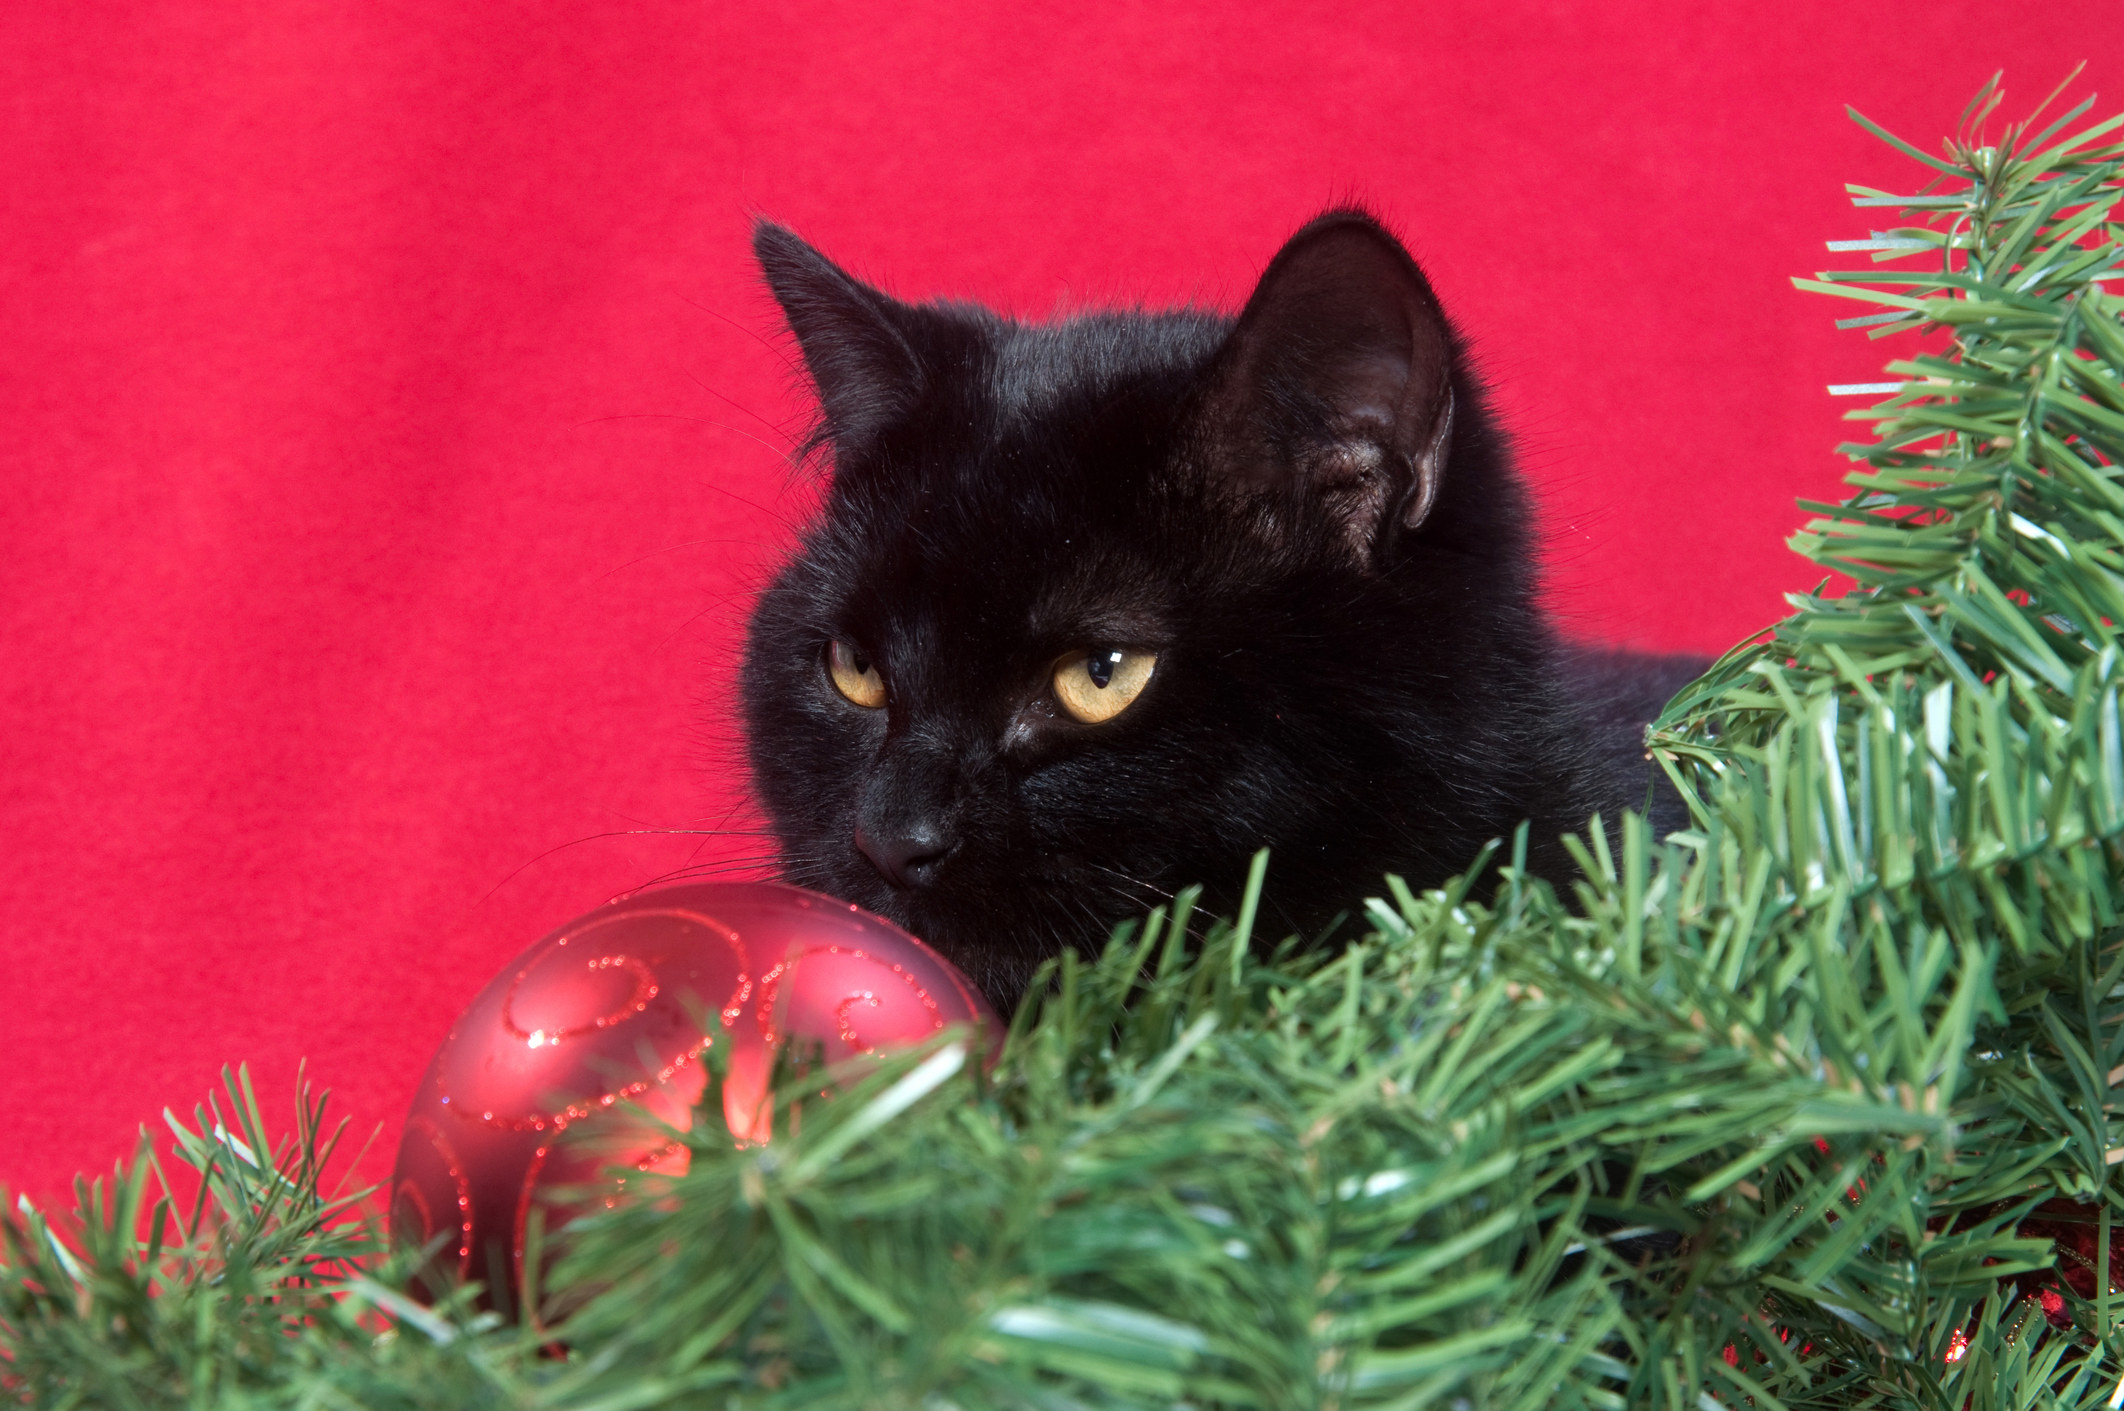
(1135, 883)
(650, 832)
(723, 863)
(607, 835)
(675, 548)
(779, 453)
(789, 364)
(788, 459)
(747, 869)
(735, 405)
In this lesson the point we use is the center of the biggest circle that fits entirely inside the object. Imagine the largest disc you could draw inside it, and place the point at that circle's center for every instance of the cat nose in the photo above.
(907, 857)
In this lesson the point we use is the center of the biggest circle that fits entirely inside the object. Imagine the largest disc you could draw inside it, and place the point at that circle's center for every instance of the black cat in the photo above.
(1096, 608)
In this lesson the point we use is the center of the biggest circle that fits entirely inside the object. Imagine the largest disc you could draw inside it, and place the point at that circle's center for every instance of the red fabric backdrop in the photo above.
(392, 426)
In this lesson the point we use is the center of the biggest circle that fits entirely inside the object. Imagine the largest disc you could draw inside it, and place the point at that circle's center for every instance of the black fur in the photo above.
(1305, 512)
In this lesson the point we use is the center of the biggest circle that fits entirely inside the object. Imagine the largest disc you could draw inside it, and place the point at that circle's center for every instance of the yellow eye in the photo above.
(1098, 685)
(855, 676)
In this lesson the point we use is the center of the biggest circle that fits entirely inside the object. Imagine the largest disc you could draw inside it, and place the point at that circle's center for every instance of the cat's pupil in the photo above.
(1101, 668)
(860, 662)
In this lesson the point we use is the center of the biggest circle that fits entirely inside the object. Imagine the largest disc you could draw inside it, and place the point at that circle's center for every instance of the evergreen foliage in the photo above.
(1784, 1110)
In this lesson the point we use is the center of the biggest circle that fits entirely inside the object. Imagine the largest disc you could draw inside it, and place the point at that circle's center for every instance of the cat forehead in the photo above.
(1016, 566)
(1029, 429)
(1030, 557)
(1022, 498)
(1073, 366)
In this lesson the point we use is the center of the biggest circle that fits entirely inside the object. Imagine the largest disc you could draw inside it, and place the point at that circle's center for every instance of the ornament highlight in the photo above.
(587, 1048)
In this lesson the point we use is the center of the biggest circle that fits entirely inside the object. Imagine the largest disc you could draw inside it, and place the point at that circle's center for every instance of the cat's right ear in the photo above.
(853, 337)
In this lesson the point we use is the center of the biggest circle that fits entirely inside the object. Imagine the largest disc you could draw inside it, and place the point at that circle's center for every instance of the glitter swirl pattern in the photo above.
(575, 1068)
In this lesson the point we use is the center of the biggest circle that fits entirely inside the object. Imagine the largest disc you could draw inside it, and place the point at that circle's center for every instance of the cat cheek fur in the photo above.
(1305, 506)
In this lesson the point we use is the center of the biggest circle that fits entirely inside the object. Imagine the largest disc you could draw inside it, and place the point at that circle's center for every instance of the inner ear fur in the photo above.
(1335, 384)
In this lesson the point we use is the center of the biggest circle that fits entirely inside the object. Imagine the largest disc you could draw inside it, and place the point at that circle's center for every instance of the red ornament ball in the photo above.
(609, 1018)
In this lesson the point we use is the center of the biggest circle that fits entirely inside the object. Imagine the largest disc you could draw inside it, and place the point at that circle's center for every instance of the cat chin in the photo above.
(997, 941)
(1000, 958)
(1001, 977)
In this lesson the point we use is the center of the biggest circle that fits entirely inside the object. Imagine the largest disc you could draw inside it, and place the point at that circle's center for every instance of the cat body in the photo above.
(1093, 609)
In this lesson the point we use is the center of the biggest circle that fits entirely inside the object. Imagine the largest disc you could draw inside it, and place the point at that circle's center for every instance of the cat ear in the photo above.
(1336, 383)
(853, 336)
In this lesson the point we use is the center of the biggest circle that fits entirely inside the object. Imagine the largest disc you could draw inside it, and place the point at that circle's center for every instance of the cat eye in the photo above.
(855, 675)
(1098, 685)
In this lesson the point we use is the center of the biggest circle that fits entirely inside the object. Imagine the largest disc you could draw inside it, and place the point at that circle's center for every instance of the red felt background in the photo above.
(391, 424)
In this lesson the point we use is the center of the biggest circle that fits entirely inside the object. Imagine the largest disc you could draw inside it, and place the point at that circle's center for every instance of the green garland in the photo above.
(1759, 1114)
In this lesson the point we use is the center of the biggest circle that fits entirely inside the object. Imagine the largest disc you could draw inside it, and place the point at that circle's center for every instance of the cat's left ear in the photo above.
(1336, 384)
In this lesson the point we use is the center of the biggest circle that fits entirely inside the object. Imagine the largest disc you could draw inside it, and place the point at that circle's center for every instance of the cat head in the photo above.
(1095, 608)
